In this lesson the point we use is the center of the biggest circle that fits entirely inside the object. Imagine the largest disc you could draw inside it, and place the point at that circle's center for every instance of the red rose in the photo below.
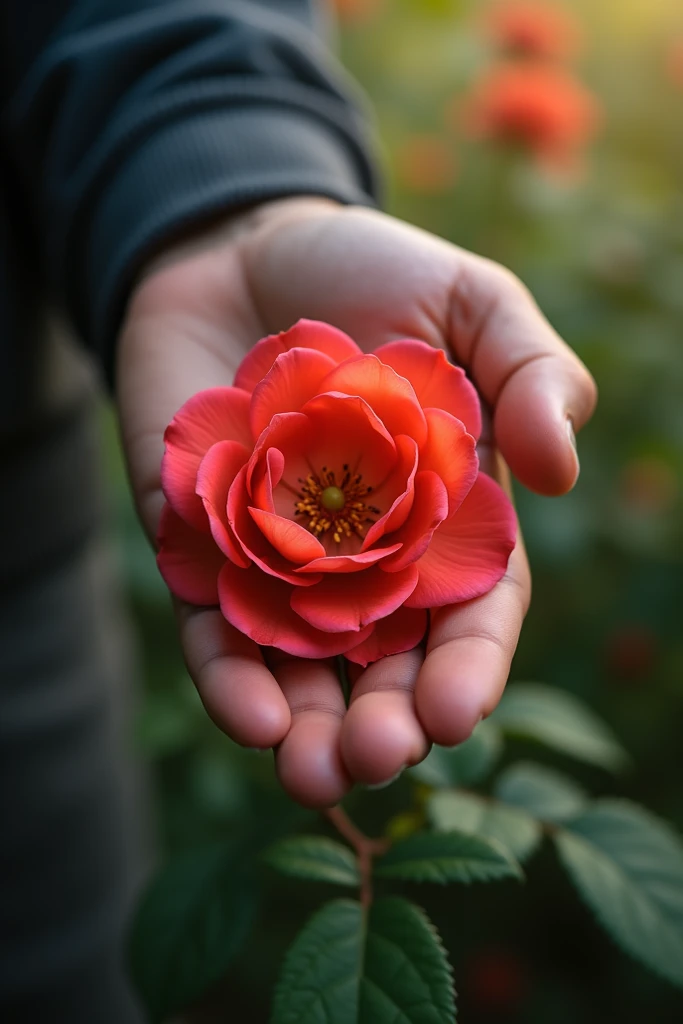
(329, 498)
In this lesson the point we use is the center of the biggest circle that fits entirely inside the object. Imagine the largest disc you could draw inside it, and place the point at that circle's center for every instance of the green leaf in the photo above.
(514, 829)
(320, 977)
(192, 920)
(407, 974)
(349, 967)
(628, 867)
(465, 764)
(543, 792)
(444, 857)
(314, 857)
(561, 721)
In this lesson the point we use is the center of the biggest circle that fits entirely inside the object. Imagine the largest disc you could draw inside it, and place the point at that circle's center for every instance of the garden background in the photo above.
(581, 195)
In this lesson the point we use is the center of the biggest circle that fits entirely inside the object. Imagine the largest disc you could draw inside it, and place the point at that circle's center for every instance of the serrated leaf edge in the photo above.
(364, 915)
(435, 934)
(509, 859)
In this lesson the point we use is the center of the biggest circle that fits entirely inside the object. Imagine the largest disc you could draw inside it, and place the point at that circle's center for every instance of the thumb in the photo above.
(539, 390)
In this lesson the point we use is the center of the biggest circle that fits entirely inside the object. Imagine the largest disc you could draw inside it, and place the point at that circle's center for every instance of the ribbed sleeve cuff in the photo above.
(190, 170)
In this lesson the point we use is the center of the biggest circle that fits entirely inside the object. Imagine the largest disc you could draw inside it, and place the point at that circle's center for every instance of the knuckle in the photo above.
(505, 283)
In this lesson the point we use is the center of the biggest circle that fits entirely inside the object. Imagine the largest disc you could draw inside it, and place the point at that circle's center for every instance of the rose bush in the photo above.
(329, 498)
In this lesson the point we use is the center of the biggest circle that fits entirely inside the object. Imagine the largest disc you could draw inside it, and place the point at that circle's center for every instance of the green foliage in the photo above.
(546, 794)
(349, 966)
(468, 763)
(559, 720)
(444, 857)
(314, 857)
(511, 827)
(628, 867)
(192, 921)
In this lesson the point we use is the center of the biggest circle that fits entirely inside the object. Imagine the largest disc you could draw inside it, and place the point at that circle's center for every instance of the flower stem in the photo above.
(365, 847)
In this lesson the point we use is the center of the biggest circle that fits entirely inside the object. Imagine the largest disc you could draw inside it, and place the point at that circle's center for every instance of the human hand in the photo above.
(193, 317)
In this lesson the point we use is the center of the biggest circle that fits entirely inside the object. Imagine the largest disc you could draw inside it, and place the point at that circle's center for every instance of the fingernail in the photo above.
(572, 440)
(387, 782)
(570, 432)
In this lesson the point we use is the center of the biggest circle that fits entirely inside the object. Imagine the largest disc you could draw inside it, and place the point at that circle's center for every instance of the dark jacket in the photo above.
(124, 121)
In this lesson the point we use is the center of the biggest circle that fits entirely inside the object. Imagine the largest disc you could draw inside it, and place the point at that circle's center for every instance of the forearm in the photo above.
(135, 122)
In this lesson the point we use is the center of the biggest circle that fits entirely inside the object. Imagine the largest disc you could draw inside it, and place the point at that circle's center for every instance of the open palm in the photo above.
(192, 319)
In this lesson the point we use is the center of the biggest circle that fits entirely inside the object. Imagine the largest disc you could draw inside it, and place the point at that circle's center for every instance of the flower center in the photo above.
(333, 498)
(337, 507)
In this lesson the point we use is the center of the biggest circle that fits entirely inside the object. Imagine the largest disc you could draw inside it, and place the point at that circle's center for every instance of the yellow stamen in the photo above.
(340, 507)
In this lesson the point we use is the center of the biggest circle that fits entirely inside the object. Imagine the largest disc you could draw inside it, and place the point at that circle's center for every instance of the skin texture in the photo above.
(198, 309)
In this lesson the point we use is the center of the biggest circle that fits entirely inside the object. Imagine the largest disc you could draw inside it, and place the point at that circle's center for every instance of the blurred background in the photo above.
(550, 138)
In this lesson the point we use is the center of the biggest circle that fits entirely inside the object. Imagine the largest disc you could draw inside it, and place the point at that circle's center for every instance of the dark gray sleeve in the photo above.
(131, 120)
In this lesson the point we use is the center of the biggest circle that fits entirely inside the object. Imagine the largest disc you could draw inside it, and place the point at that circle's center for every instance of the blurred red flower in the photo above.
(426, 163)
(536, 106)
(533, 28)
(674, 63)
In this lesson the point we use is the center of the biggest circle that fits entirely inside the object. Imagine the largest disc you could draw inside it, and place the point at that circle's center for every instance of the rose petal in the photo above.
(292, 541)
(349, 563)
(310, 334)
(267, 476)
(254, 544)
(437, 383)
(218, 414)
(258, 605)
(451, 453)
(401, 483)
(293, 378)
(396, 633)
(288, 432)
(189, 561)
(217, 470)
(345, 601)
(390, 397)
(430, 508)
(345, 431)
(469, 552)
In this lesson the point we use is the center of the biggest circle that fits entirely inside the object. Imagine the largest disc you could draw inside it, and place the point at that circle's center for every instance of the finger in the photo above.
(238, 691)
(469, 653)
(308, 761)
(381, 733)
(538, 388)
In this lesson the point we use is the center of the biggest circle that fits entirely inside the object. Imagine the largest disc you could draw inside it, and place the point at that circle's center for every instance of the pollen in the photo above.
(337, 508)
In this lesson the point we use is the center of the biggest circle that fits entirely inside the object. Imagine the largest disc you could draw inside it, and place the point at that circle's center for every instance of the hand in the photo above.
(198, 310)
